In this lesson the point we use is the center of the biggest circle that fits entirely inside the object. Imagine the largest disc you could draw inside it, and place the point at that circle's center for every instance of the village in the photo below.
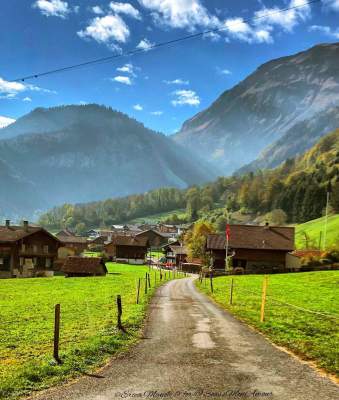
(28, 250)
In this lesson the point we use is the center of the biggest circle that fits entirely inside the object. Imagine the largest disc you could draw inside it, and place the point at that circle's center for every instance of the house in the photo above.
(127, 249)
(72, 245)
(155, 239)
(253, 248)
(65, 232)
(166, 228)
(194, 266)
(84, 266)
(26, 251)
(176, 255)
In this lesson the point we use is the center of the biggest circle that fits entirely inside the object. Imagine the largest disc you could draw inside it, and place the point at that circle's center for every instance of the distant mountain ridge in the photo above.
(272, 107)
(86, 153)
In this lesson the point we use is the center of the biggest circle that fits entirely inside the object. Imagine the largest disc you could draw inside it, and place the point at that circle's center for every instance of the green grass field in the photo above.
(88, 333)
(313, 229)
(312, 336)
(154, 218)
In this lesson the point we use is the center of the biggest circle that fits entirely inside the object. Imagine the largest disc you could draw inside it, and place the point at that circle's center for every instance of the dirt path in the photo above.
(193, 350)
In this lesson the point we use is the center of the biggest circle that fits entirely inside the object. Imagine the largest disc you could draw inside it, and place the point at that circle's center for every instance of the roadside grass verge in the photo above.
(88, 333)
(314, 337)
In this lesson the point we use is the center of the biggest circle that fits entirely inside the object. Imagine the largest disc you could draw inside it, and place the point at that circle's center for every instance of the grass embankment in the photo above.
(313, 229)
(88, 333)
(313, 336)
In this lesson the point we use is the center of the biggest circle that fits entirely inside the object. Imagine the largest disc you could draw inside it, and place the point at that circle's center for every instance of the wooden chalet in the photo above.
(127, 249)
(72, 246)
(26, 251)
(253, 249)
(155, 239)
(176, 254)
(84, 266)
(65, 232)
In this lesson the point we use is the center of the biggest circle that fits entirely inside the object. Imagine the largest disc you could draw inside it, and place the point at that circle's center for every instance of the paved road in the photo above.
(192, 349)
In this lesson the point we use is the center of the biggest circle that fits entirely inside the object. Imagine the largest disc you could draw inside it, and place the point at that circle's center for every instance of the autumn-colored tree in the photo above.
(195, 240)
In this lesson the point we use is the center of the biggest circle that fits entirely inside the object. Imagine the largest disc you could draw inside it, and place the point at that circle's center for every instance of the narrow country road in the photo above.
(192, 349)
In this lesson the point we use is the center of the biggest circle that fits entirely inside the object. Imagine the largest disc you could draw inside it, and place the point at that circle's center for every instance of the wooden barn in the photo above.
(155, 239)
(253, 248)
(176, 254)
(84, 266)
(26, 251)
(127, 249)
(72, 246)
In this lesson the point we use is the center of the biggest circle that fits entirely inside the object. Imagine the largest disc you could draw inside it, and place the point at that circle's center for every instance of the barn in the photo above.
(127, 249)
(84, 266)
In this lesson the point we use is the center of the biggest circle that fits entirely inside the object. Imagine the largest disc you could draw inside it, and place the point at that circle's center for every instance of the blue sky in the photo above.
(160, 87)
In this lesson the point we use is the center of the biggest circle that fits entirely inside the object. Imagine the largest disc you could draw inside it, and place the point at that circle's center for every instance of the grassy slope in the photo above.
(313, 229)
(312, 336)
(88, 317)
(154, 218)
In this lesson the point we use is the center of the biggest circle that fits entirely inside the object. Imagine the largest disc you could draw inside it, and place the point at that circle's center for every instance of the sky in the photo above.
(160, 87)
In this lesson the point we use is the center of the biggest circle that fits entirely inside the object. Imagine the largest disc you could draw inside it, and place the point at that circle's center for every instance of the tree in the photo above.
(195, 239)
(276, 217)
(80, 228)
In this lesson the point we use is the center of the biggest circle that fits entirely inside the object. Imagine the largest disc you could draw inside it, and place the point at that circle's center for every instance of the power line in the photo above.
(158, 45)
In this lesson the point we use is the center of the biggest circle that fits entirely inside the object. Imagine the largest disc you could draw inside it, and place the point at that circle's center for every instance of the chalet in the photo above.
(26, 251)
(155, 239)
(254, 249)
(127, 249)
(72, 246)
(194, 266)
(84, 266)
(176, 255)
(166, 228)
(65, 232)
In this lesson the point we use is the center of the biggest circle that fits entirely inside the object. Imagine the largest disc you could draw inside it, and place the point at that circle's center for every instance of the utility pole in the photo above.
(329, 190)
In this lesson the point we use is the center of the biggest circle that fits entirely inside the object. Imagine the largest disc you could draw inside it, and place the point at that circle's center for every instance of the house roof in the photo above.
(254, 237)
(73, 239)
(65, 232)
(84, 265)
(14, 233)
(123, 240)
(179, 250)
(153, 231)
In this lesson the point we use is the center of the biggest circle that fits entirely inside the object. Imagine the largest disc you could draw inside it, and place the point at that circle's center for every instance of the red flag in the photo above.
(228, 232)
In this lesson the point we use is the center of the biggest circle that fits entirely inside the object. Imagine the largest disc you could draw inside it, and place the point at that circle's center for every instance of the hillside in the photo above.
(287, 104)
(313, 229)
(84, 153)
(297, 189)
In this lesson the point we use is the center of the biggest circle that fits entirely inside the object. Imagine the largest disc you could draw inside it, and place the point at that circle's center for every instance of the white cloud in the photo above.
(106, 30)
(156, 113)
(331, 4)
(126, 80)
(185, 97)
(325, 30)
(11, 88)
(241, 30)
(5, 121)
(177, 81)
(53, 8)
(97, 10)
(287, 20)
(27, 99)
(188, 14)
(145, 44)
(128, 68)
(138, 107)
(224, 71)
(125, 8)
(213, 36)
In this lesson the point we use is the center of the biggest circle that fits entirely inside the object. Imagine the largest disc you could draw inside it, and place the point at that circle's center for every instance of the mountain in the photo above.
(86, 153)
(275, 106)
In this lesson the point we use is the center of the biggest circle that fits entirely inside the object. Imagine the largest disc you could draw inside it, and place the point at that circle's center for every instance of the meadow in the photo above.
(313, 229)
(312, 335)
(88, 333)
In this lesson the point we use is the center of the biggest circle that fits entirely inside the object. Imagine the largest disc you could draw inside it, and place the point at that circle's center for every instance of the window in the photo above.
(48, 263)
(5, 264)
(45, 249)
(23, 247)
(35, 248)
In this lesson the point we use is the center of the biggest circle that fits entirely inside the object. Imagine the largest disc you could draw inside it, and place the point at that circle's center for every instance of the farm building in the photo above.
(72, 246)
(254, 249)
(84, 266)
(65, 232)
(26, 251)
(176, 255)
(128, 249)
(155, 239)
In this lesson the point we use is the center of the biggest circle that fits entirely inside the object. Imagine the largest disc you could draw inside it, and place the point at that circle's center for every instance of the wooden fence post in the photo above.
(211, 282)
(56, 333)
(146, 283)
(263, 299)
(155, 278)
(138, 292)
(119, 306)
(231, 292)
(149, 280)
